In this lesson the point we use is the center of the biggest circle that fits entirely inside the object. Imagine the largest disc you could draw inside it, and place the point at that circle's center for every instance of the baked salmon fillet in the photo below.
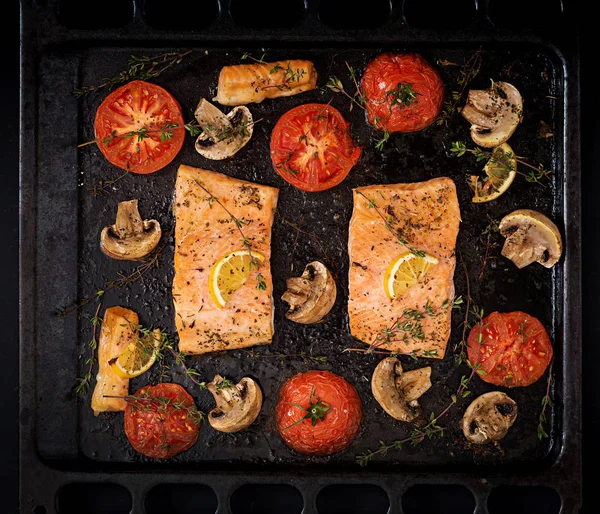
(242, 84)
(389, 221)
(215, 215)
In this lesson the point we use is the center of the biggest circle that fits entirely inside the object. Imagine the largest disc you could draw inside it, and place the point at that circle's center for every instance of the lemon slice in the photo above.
(138, 357)
(500, 171)
(405, 271)
(230, 273)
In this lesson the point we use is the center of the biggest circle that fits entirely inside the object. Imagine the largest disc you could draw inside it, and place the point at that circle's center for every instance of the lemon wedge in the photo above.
(500, 171)
(405, 271)
(138, 357)
(230, 273)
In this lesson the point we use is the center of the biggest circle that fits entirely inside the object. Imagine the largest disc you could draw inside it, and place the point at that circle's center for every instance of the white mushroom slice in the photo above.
(238, 405)
(397, 391)
(494, 113)
(489, 417)
(130, 238)
(222, 135)
(530, 237)
(310, 296)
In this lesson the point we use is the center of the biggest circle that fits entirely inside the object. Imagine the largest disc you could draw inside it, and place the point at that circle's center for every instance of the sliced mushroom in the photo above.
(397, 391)
(238, 405)
(310, 296)
(494, 113)
(530, 237)
(130, 238)
(222, 135)
(489, 417)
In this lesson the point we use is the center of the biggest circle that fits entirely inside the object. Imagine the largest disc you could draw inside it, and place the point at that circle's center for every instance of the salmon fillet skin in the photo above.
(205, 205)
(242, 84)
(388, 221)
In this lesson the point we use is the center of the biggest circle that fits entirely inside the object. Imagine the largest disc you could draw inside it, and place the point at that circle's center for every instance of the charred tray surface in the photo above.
(64, 443)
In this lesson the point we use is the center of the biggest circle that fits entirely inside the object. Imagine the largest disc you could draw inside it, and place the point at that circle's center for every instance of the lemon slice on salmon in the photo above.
(500, 171)
(230, 273)
(138, 357)
(405, 271)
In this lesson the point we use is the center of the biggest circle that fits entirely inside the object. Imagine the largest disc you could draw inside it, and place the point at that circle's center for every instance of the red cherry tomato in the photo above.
(139, 127)
(311, 147)
(318, 413)
(513, 349)
(403, 92)
(161, 421)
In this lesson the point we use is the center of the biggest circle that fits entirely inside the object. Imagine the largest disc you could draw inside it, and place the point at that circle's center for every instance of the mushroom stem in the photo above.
(128, 222)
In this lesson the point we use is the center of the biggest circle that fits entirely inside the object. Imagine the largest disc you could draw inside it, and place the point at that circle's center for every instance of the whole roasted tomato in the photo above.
(403, 92)
(512, 349)
(161, 421)
(318, 413)
(312, 148)
(139, 127)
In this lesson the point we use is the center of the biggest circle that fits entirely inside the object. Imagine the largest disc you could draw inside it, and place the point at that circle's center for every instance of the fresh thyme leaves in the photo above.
(546, 402)
(409, 328)
(431, 428)
(388, 224)
(140, 68)
(305, 356)
(503, 159)
(312, 235)
(489, 240)
(224, 384)
(160, 404)
(380, 143)
(260, 60)
(315, 412)
(289, 74)
(467, 72)
(238, 131)
(83, 383)
(261, 285)
(336, 85)
(165, 132)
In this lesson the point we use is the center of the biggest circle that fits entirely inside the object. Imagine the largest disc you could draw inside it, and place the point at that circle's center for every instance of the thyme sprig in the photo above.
(140, 68)
(104, 185)
(409, 327)
(488, 239)
(503, 160)
(546, 402)
(336, 85)
(432, 428)
(123, 280)
(144, 401)
(306, 357)
(467, 72)
(261, 284)
(83, 383)
(388, 224)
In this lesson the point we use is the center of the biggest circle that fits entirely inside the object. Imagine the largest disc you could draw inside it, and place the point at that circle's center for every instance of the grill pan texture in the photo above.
(63, 442)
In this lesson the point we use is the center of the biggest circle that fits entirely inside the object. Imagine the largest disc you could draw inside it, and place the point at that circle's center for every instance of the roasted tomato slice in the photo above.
(312, 148)
(318, 413)
(161, 421)
(513, 349)
(403, 92)
(139, 127)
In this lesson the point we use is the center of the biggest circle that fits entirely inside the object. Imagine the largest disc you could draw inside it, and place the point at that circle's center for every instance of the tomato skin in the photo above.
(340, 424)
(312, 148)
(515, 349)
(128, 109)
(382, 76)
(160, 432)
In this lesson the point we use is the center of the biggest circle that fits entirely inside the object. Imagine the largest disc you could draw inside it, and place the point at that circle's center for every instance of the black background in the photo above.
(9, 285)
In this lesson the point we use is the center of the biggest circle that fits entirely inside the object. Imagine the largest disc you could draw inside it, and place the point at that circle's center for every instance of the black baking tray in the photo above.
(67, 455)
